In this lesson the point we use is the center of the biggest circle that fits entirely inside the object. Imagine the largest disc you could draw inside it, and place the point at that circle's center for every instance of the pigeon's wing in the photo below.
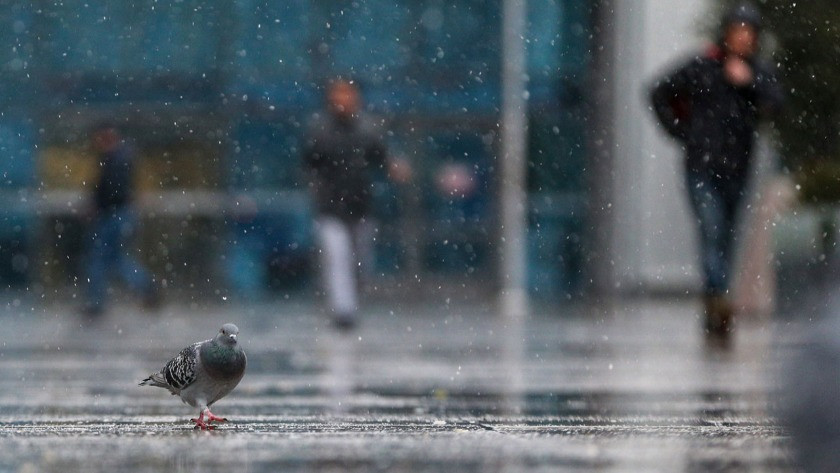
(179, 372)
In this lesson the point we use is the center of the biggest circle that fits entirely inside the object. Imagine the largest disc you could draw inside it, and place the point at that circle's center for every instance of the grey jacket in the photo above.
(342, 157)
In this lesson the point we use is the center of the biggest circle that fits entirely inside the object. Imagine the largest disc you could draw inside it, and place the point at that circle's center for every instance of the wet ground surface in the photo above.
(434, 389)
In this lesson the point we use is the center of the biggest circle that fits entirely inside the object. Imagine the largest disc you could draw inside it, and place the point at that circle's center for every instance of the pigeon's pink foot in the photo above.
(201, 424)
(213, 418)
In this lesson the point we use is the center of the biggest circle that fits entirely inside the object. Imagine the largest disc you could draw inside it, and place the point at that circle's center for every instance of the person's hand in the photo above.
(737, 71)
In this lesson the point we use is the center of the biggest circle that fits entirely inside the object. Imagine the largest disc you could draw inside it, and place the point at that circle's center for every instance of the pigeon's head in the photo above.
(227, 334)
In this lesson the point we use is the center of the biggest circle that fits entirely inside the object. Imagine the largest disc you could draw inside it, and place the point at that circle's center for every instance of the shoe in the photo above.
(92, 311)
(719, 314)
(344, 322)
(152, 299)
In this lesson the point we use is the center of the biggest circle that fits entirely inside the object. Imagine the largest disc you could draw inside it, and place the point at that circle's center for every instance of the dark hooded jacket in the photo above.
(715, 120)
(343, 156)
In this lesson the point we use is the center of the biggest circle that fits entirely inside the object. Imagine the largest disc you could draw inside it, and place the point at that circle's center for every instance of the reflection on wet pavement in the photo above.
(431, 390)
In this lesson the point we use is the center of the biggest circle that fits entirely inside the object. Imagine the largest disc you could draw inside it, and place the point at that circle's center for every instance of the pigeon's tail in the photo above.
(157, 380)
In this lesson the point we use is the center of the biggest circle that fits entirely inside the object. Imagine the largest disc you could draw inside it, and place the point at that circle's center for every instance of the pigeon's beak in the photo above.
(233, 337)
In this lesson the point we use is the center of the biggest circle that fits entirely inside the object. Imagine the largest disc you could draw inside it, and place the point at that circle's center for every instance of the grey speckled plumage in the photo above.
(204, 372)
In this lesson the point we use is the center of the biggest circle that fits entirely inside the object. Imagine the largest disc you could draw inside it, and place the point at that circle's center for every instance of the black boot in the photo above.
(718, 311)
(344, 322)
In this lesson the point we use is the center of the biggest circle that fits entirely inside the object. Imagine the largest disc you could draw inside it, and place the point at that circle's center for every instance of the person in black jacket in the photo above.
(343, 149)
(712, 105)
(112, 224)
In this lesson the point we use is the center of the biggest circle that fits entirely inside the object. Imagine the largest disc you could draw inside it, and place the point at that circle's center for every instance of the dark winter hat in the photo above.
(745, 13)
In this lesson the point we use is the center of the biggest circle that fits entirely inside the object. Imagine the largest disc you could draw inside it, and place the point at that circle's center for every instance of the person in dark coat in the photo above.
(113, 222)
(343, 149)
(712, 104)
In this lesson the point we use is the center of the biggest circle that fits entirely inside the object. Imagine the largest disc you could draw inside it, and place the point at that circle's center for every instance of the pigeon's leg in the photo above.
(212, 417)
(199, 422)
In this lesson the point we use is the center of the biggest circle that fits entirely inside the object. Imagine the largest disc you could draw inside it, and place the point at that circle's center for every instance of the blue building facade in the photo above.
(217, 95)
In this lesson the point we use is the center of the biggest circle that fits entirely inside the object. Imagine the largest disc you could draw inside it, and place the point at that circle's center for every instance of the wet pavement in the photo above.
(422, 388)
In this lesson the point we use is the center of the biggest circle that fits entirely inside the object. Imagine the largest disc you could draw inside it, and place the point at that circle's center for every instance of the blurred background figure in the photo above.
(343, 148)
(712, 105)
(112, 224)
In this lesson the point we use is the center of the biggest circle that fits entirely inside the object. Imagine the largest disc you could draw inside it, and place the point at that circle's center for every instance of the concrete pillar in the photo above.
(514, 128)
(652, 242)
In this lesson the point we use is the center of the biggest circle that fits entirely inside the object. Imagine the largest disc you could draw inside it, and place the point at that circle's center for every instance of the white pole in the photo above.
(514, 128)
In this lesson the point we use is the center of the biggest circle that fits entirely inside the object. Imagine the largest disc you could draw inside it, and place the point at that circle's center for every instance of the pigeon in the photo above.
(203, 373)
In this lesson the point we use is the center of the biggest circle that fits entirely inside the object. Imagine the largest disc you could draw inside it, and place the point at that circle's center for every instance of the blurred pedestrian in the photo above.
(712, 104)
(344, 148)
(112, 224)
